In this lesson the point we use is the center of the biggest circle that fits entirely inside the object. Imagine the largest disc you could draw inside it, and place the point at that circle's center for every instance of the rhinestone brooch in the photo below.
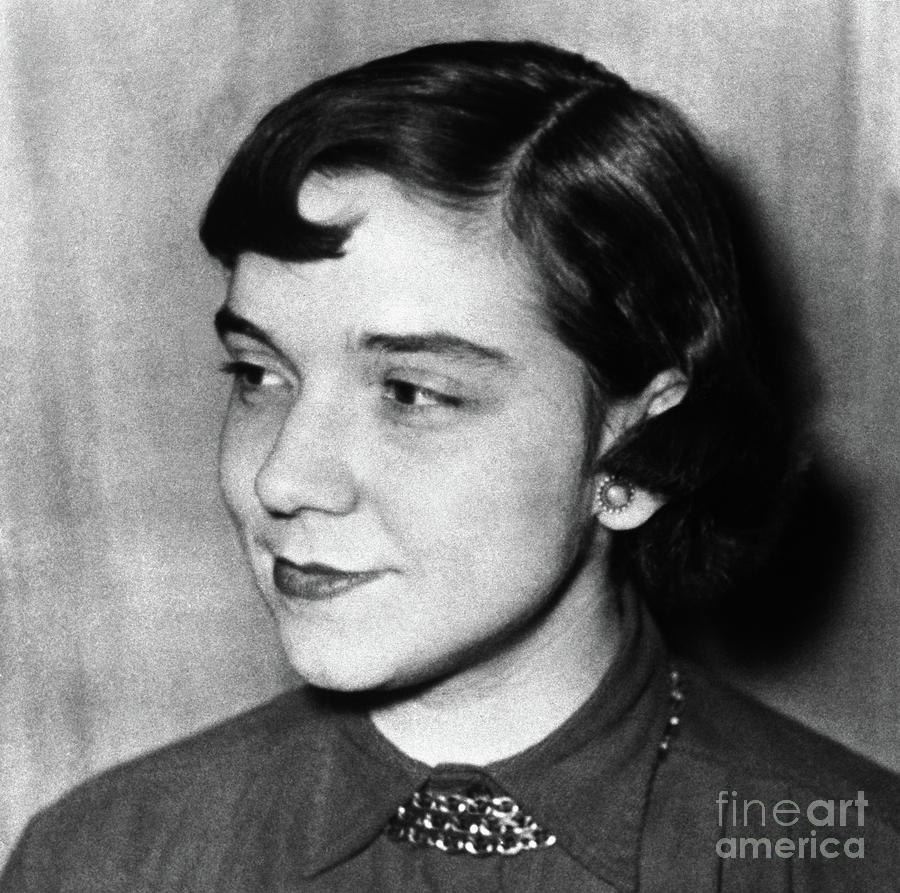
(480, 825)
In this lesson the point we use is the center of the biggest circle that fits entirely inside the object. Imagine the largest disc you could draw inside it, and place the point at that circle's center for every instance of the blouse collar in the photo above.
(587, 782)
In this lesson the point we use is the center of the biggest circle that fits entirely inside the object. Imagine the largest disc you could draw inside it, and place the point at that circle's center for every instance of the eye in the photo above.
(252, 379)
(409, 397)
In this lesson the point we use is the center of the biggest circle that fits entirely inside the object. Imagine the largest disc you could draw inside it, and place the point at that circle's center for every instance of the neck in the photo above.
(501, 705)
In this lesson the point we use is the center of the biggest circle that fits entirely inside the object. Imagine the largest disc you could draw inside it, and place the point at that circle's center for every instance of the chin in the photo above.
(342, 667)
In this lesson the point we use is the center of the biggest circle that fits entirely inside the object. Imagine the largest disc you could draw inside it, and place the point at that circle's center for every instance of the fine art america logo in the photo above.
(790, 830)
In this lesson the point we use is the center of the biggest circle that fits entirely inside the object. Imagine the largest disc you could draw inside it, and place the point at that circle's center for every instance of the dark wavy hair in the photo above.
(616, 206)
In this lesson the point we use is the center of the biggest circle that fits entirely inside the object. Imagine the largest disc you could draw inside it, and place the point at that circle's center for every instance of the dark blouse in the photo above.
(295, 796)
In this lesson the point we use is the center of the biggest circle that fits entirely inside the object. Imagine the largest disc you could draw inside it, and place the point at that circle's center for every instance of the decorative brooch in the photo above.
(480, 825)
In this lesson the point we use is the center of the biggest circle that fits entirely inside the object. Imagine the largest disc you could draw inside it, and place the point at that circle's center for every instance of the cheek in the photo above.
(500, 504)
(534, 472)
(241, 454)
(536, 507)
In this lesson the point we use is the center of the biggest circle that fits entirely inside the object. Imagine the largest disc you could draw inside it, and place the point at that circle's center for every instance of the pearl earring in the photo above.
(612, 495)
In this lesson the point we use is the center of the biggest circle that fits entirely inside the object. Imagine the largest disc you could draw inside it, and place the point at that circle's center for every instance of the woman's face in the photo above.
(403, 452)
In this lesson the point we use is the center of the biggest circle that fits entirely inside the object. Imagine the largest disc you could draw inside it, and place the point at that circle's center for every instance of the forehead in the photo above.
(407, 266)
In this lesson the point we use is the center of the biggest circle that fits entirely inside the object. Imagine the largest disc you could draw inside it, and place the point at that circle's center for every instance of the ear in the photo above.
(618, 504)
(667, 389)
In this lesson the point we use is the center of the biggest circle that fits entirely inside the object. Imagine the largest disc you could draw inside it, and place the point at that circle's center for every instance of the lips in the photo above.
(316, 582)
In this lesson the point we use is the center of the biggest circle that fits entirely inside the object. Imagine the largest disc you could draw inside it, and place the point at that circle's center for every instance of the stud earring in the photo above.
(612, 495)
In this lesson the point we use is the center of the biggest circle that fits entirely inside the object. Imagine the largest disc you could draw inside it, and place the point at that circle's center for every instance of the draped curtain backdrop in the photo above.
(126, 616)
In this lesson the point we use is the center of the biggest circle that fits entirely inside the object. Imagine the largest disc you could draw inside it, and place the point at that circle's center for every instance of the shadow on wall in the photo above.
(785, 606)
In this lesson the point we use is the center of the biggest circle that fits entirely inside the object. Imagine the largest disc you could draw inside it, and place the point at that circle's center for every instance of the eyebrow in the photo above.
(227, 322)
(438, 343)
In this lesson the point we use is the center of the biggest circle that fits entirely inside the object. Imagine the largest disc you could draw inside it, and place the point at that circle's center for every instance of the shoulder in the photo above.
(748, 798)
(219, 756)
(727, 728)
(129, 813)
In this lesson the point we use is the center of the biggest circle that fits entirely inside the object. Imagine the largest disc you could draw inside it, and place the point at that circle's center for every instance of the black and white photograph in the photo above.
(450, 446)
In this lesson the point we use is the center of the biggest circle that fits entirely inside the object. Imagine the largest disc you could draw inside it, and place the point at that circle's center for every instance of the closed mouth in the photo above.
(316, 582)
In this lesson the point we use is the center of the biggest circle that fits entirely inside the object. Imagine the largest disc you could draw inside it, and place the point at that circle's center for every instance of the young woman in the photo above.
(495, 393)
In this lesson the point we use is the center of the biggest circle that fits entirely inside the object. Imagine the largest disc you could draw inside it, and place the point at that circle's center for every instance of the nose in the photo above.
(308, 467)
